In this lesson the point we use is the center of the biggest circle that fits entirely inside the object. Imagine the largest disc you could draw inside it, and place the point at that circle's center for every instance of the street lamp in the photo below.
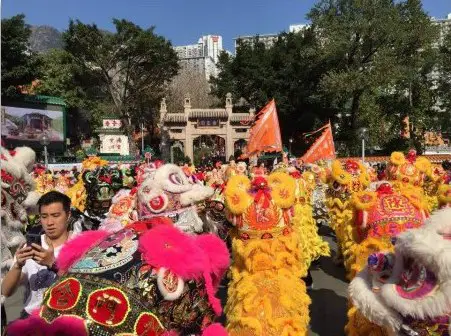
(290, 141)
(142, 136)
(45, 141)
(363, 134)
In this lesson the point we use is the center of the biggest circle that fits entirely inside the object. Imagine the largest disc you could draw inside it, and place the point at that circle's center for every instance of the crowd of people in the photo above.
(142, 249)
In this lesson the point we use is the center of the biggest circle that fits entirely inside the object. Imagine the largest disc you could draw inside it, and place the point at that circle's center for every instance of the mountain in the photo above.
(44, 38)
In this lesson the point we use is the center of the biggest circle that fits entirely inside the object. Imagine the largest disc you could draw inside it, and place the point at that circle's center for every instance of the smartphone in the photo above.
(33, 238)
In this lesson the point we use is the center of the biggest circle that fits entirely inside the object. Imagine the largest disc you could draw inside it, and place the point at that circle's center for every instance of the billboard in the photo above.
(28, 125)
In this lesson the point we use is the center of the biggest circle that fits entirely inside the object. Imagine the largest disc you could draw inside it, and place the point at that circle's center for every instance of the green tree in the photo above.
(19, 64)
(361, 63)
(131, 66)
(290, 72)
(444, 83)
(382, 50)
(62, 76)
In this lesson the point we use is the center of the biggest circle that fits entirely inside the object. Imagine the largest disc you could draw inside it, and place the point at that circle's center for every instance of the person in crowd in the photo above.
(34, 262)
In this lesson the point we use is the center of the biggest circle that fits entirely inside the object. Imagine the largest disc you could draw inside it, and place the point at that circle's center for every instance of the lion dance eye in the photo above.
(336, 186)
(176, 178)
(158, 204)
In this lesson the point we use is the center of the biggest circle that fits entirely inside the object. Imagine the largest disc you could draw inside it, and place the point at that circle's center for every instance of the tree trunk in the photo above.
(355, 109)
(128, 129)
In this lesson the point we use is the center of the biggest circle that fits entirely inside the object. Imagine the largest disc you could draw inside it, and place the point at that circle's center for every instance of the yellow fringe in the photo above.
(444, 194)
(364, 200)
(358, 325)
(266, 296)
(283, 188)
(397, 158)
(312, 245)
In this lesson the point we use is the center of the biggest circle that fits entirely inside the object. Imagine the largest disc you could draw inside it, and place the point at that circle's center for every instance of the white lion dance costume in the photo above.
(408, 292)
(18, 195)
(266, 296)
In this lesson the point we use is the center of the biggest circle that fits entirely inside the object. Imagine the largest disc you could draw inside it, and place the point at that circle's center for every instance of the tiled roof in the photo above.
(242, 117)
(119, 158)
(175, 118)
(45, 100)
(216, 113)
(434, 158)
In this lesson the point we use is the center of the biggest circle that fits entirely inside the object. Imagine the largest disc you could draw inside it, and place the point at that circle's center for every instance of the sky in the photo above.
(181, 21)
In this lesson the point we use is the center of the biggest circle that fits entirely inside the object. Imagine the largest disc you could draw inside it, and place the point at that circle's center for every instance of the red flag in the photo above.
(323, 148)
(265, 134)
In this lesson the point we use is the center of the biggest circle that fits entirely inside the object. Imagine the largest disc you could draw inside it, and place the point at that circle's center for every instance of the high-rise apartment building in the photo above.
(444, 26)
(202, 56)
(267, 39)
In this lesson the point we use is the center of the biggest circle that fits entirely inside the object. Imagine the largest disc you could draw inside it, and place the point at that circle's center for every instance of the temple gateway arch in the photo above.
(219, 127)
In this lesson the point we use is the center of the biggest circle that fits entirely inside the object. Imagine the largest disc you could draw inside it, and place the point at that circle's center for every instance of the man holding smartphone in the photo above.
(34, 262)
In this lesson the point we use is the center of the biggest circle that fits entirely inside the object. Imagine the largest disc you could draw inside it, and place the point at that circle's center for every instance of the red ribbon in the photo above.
(261, 185)
(263, 193)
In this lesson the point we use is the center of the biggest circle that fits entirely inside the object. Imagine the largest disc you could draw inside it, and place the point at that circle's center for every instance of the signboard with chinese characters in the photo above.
(112, 123)
(208, 123)
(114, 144)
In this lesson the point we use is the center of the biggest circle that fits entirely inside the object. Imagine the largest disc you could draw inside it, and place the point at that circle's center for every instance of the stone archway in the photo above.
(209, 149)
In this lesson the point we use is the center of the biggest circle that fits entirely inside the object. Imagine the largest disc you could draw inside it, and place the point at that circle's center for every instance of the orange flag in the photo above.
(265, 134)
(323, 148)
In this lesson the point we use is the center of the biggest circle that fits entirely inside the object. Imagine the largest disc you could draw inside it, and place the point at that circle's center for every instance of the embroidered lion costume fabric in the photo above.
(146, 279)
(266, 295)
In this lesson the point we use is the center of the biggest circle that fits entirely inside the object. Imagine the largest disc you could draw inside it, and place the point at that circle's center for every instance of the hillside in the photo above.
(44, 38)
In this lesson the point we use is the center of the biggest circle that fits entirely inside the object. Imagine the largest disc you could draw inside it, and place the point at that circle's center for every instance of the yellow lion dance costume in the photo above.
(304, 224)
(415, 174)
(346, 178)
(266, 296)
(303, 221)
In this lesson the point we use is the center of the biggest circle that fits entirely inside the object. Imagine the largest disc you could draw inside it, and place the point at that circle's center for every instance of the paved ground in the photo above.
(14, 304)
(329, 295)
(329, 303)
